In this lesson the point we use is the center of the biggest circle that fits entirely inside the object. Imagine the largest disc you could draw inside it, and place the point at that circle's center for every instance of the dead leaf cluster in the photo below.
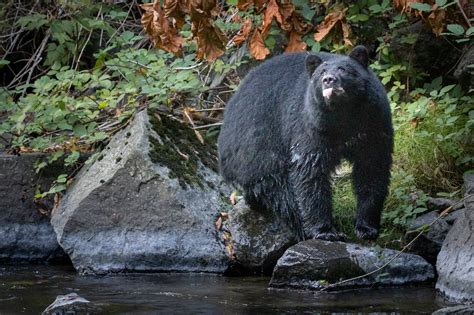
(163, 25)
(284, 14)
(334, 22)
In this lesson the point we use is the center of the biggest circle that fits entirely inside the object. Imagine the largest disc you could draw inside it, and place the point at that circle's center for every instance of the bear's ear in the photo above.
(312, 62)
(361, 55)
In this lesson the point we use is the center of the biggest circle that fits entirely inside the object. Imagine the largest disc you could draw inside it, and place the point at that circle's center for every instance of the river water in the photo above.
(30, 289)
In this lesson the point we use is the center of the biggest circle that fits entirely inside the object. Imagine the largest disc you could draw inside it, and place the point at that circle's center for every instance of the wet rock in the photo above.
(464, 73)
(456, 310)
(255, 240)
(429, 243)
(153, 201)
(455, 263)
(70, 304)
(419, 46)
(441, 204)
(314, 264)
(25, 234)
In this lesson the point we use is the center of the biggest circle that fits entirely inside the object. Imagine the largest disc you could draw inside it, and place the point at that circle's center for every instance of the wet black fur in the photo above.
(281, 140)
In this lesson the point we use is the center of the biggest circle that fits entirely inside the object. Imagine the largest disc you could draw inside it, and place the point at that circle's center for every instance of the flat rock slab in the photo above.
(316, 264)
(153, 201)
(25, 234)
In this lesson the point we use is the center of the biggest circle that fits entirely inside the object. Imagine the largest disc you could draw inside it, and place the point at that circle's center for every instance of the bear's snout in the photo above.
(329, 80)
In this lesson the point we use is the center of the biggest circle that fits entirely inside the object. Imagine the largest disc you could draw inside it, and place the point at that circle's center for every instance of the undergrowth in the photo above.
(80, 72)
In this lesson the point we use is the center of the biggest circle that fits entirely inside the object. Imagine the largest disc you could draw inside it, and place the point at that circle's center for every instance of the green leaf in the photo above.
(441, 3)
(32, 22)
(375, 8)
(55, 156)
(470, 31)
(446, 89)
(360, 18)
(421, 7)
(451, 120)
(316, 47)
(456, 29)
(72, 158)
(79, 130)
(62, 179)
(3, 62)
(102, 104)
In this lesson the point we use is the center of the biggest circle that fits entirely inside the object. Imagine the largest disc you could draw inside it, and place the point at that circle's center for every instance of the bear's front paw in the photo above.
(366, 232)
(331, 235)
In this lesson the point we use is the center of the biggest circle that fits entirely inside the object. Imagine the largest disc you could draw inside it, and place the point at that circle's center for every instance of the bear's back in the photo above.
(254, 116)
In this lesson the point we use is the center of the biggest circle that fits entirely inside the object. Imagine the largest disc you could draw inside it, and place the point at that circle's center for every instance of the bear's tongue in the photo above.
(329, 92)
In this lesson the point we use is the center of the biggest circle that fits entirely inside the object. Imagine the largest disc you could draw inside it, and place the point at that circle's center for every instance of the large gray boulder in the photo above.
(455, 264)
(153, 201)
(25, 233)
(317, 264)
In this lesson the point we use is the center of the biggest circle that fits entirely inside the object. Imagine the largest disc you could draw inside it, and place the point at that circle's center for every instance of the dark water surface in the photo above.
(30, 289)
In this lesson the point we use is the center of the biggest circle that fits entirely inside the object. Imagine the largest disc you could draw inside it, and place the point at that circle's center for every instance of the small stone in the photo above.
(70, 304)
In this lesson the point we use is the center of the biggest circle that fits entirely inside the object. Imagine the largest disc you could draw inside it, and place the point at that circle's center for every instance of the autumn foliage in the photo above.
(164, 22)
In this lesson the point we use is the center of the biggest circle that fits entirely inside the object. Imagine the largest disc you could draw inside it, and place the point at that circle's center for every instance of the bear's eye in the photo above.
(341, 69)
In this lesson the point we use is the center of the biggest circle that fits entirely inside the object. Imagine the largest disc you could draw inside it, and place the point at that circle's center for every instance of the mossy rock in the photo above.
(179, 149)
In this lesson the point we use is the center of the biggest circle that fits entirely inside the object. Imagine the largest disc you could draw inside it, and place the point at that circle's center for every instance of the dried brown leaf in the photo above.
(233, 197)
(176, 9)
(157, 26)
(300, 25)
(244, 32)
(436, 21)
(271, 11)
(295, 43)
(243, 5)
(325, 27)
(219, 223)
(346, 34)
(211, 41)
(257, 46)
(259, 4)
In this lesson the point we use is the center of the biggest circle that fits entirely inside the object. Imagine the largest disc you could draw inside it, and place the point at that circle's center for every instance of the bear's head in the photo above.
(339, 82)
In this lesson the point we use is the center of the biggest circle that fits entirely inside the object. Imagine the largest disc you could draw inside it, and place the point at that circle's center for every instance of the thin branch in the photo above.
(463, 13)
(208, 126)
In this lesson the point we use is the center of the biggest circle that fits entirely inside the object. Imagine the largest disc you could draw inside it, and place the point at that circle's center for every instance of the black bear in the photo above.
(288, 126)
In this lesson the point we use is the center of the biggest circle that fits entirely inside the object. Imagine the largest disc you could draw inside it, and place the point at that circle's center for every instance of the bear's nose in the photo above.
(329, 79)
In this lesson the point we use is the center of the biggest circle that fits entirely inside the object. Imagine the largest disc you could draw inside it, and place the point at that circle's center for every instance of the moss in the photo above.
(180, 150)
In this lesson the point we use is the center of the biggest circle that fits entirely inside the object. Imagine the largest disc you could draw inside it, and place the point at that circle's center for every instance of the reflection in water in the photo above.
(30, 289)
